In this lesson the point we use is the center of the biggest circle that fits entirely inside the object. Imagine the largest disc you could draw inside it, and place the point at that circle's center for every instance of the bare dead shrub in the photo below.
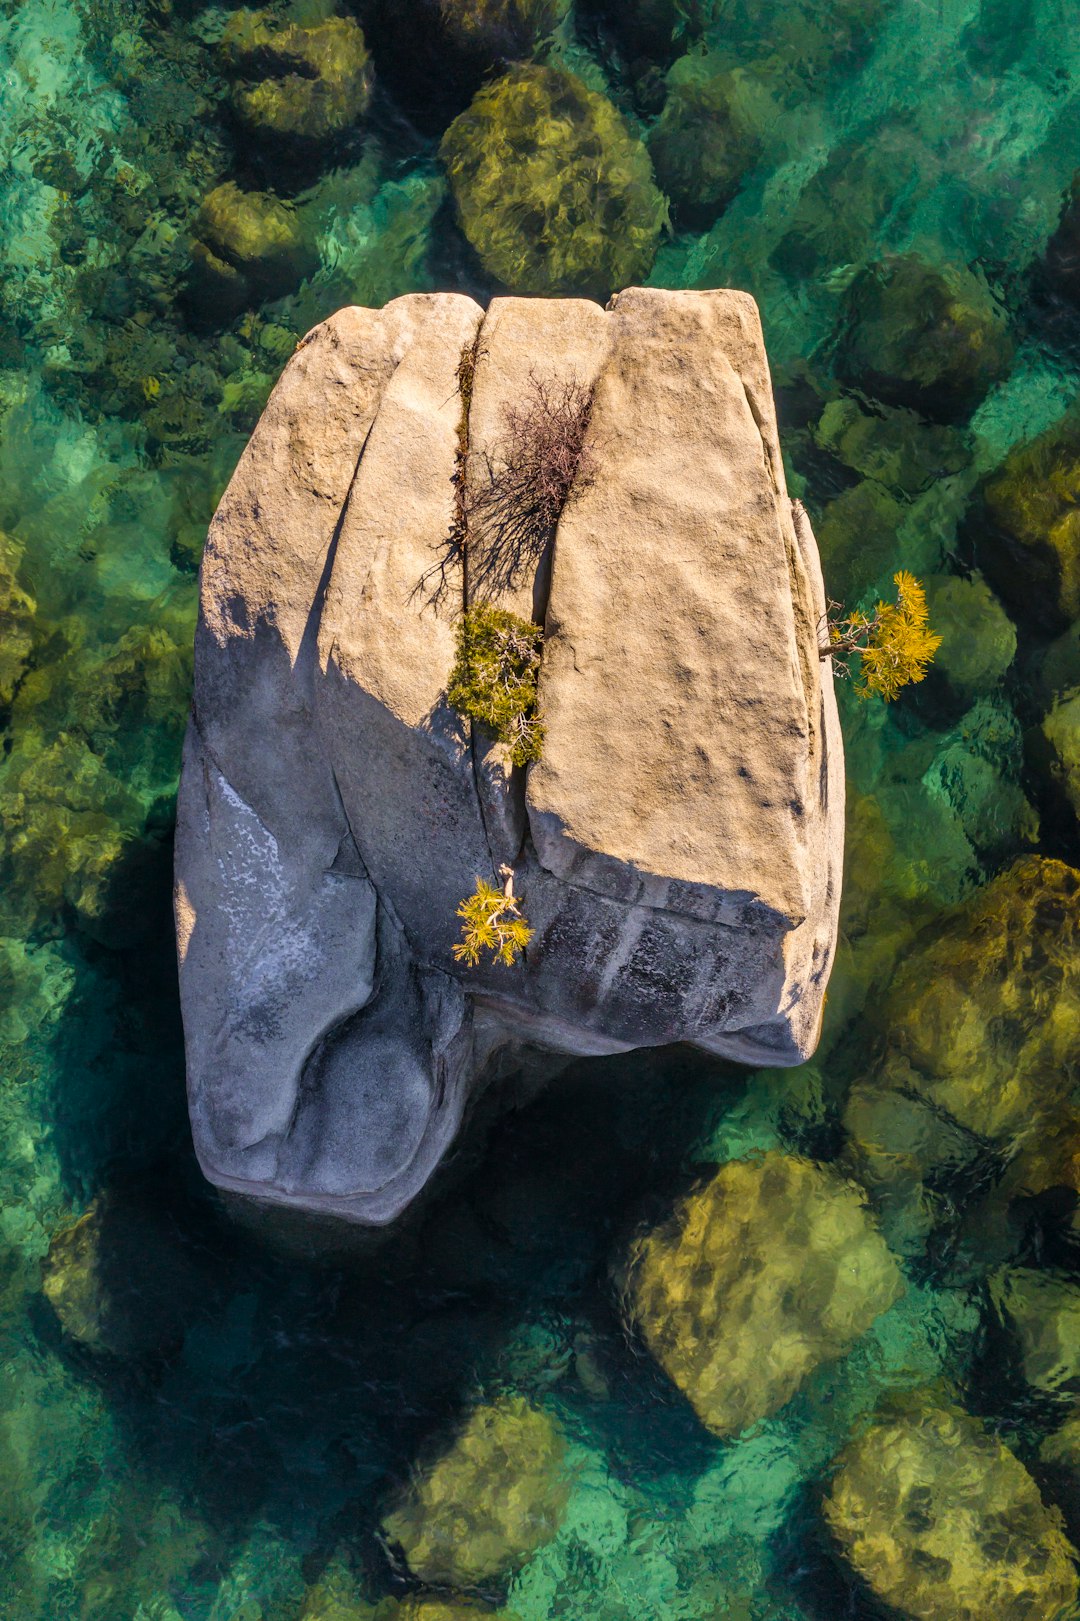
(540, 463)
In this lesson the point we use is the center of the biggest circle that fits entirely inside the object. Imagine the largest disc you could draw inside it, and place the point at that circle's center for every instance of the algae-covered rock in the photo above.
(552, 190)
(67, 823)
(978, 639)
(858, 538)
(1029, 539)
(249, 245)
(119, 1280)
(1063, 249)
(1043, 1312)
(771, 1268)
(892, 446)
(943, 1523)
(702, 145)
(17, 610)
(500, 28)
(488, 1503)
(1061, 731)
(301, 84)
(983, 1019)
(931, 337)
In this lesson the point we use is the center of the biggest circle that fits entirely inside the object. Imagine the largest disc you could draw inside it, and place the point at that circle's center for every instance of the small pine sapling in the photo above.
(492, 921)
(894, 643)
(494, 678)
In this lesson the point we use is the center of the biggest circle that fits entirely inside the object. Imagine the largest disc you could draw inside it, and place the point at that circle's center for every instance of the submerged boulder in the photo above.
(1028, 526)
(552, 190)
(770, 1269)
(925, 336)
(703, 144)
(301, 84)
(943, 1523)
(677, 845)
(485, 1506)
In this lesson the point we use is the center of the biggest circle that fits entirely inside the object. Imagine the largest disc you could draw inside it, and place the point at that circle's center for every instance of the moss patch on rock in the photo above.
(552, 190)
(1029, 535)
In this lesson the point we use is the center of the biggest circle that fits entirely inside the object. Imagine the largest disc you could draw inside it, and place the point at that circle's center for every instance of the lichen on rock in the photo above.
(944, 1523)
(552, 190)
(478, 1511)
(770, 1269)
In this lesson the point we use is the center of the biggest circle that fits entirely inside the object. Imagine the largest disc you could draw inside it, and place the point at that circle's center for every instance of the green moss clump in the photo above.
(310, 83)
(702, 145)
(943, 1523)
(768, 1270)
(495, 676)
(1029, 542)
(488, 1503)
(927, 336)
(552, 190)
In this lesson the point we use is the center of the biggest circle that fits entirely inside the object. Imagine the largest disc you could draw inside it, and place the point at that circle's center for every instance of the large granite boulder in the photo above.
(678, 844)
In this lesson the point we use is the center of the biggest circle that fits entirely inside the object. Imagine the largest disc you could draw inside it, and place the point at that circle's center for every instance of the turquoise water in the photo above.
(206, 1420)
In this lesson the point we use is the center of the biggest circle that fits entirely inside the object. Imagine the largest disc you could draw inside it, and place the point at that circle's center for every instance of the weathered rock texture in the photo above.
(678, 846)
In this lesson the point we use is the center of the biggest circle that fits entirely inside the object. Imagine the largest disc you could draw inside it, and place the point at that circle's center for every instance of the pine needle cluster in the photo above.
(495, 675)
(895, 643)
(491, 921)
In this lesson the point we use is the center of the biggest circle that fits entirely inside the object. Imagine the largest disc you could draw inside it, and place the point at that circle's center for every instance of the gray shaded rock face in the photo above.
(677, 847)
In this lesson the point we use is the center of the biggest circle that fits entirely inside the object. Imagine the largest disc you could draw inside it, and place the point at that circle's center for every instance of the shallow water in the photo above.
(227, 1412)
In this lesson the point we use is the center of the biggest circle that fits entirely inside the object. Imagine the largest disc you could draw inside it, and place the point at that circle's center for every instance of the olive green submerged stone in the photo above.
(943, 1523)
(770, 1269)
(504, 28)
(931, 337)
(301, 84)
(483, 1507)
(1042, 1310)
(1029, 538)
(552, 190)
(984, 1020)
(17, 611)
(978, 639)
(702, 145)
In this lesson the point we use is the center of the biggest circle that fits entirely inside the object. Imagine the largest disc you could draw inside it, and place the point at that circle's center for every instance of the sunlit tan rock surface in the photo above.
(770, 1269)
(678, 846)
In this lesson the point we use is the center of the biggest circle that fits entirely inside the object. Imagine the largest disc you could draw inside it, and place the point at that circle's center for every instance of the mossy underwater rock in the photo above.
(487, 1504)
(304, 85)
(983, 1019)
(702, 145)
(770, 1269)
(552, 190)
(1042, 1311)
(499, 28)
(1061, 736)
(248, 246)
(930, 337)
(119, 1280)
(943, 1523)
(978, 639)
(17, 610)
(1027, 533)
